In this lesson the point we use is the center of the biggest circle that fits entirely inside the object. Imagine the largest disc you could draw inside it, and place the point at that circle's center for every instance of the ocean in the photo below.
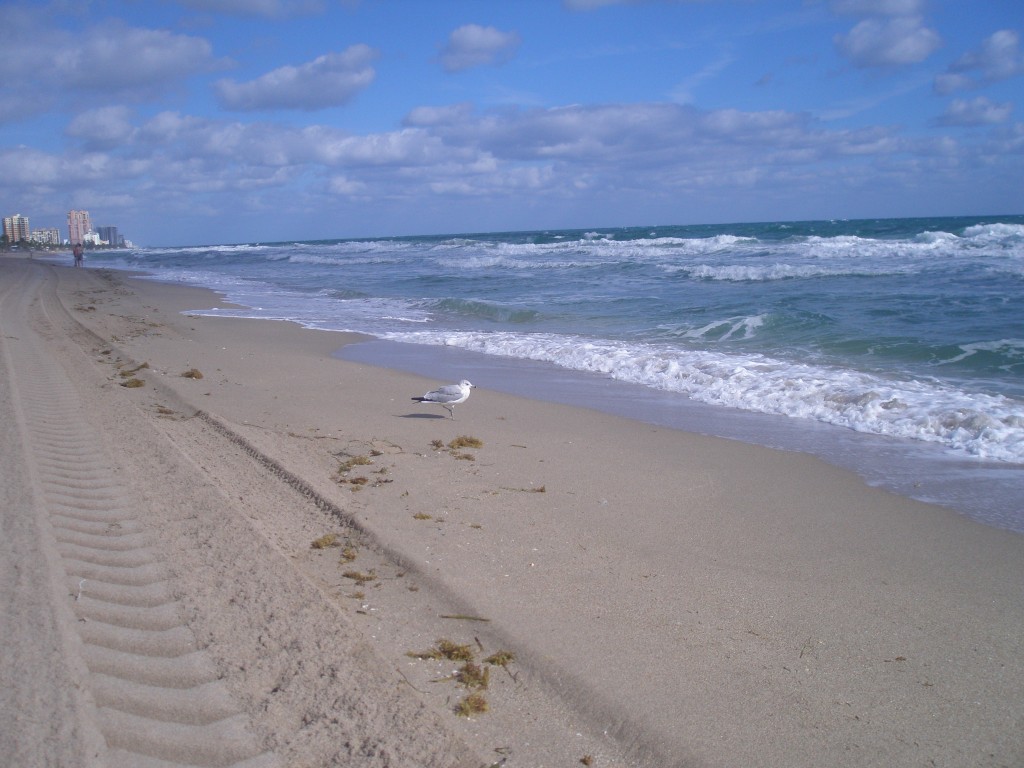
(894, 347)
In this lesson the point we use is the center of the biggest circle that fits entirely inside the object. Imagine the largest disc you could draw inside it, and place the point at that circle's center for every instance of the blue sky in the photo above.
(220, 121)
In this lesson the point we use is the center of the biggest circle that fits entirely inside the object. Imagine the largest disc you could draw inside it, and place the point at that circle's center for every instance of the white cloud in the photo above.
(168, 126)
(102, 128)
(41, 66)
(426, 116)
(979, 111)
(499, 151)
(998, 58)
(110, 59)
(888, 42)
(472, 45)
(607, 149)
(328, 81)
(534, 157)
(763, 127)
(407, 147)
(342, 185)
(21, 166)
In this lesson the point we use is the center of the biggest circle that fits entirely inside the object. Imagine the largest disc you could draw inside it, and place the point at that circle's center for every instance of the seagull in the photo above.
(449, 395)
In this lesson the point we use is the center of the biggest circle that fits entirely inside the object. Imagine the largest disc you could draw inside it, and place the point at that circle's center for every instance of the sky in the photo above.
(187, 122)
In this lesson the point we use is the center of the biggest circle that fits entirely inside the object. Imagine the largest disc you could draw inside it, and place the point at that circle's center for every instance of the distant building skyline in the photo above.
(16, 229)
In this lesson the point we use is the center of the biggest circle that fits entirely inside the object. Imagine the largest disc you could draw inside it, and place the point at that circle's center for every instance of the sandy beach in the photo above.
(223, 546)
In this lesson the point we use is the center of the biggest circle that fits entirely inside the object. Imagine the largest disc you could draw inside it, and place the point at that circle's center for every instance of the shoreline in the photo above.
(986, 490)
(989, 492)
(671, 598)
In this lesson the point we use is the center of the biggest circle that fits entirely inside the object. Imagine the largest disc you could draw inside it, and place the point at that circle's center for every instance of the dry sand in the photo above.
(670, 599)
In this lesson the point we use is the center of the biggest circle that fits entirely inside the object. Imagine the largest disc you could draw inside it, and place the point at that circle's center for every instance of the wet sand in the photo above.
(669, 598)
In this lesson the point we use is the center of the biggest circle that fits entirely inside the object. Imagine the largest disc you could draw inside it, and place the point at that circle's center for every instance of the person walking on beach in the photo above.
(77, 250)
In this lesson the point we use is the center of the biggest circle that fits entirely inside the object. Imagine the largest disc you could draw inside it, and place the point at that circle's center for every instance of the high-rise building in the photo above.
(110, 235)
(78, 225)
(16, 228)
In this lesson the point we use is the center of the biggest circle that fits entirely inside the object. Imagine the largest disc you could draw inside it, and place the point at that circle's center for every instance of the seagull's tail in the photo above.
(419, 399)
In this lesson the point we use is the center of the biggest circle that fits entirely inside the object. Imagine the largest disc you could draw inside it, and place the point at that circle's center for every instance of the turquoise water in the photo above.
(908, 330)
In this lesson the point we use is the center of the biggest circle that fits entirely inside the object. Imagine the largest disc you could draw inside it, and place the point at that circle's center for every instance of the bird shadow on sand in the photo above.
(423, 416)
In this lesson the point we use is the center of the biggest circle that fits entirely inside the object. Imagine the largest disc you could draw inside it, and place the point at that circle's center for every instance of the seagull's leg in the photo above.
(451, 409)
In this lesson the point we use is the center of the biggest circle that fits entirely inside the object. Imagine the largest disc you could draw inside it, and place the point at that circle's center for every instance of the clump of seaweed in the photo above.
(132, 371)
(500, 658)
(474, 704)
(359, 577)
(422, 516)
(192, 373)
(444, 649)
(454, 446)
(348, 465)
(353, 461)
(325, 541)
(348, 554)
(473, 675)
(465, 441)
(133, 383)
(358, 482)
(538, 489)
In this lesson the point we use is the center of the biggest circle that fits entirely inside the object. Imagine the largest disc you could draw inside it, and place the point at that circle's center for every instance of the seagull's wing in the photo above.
(445, 394)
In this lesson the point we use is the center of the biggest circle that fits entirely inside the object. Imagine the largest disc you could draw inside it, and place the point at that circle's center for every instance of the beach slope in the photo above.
(223, 546)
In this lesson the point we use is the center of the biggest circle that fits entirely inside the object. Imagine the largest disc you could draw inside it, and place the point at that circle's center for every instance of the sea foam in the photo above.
(978, 424)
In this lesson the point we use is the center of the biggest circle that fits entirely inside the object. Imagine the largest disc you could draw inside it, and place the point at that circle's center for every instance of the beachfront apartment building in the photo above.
(16, 228)
(46, 236)
(79, 225)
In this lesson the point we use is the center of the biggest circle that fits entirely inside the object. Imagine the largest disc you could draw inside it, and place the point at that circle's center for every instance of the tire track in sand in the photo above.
(158, 700)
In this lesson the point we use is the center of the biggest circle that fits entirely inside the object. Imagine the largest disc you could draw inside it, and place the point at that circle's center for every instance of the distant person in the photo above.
(77, 250)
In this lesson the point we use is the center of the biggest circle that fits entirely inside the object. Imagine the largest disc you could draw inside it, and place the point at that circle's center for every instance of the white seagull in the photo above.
(449, 395)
